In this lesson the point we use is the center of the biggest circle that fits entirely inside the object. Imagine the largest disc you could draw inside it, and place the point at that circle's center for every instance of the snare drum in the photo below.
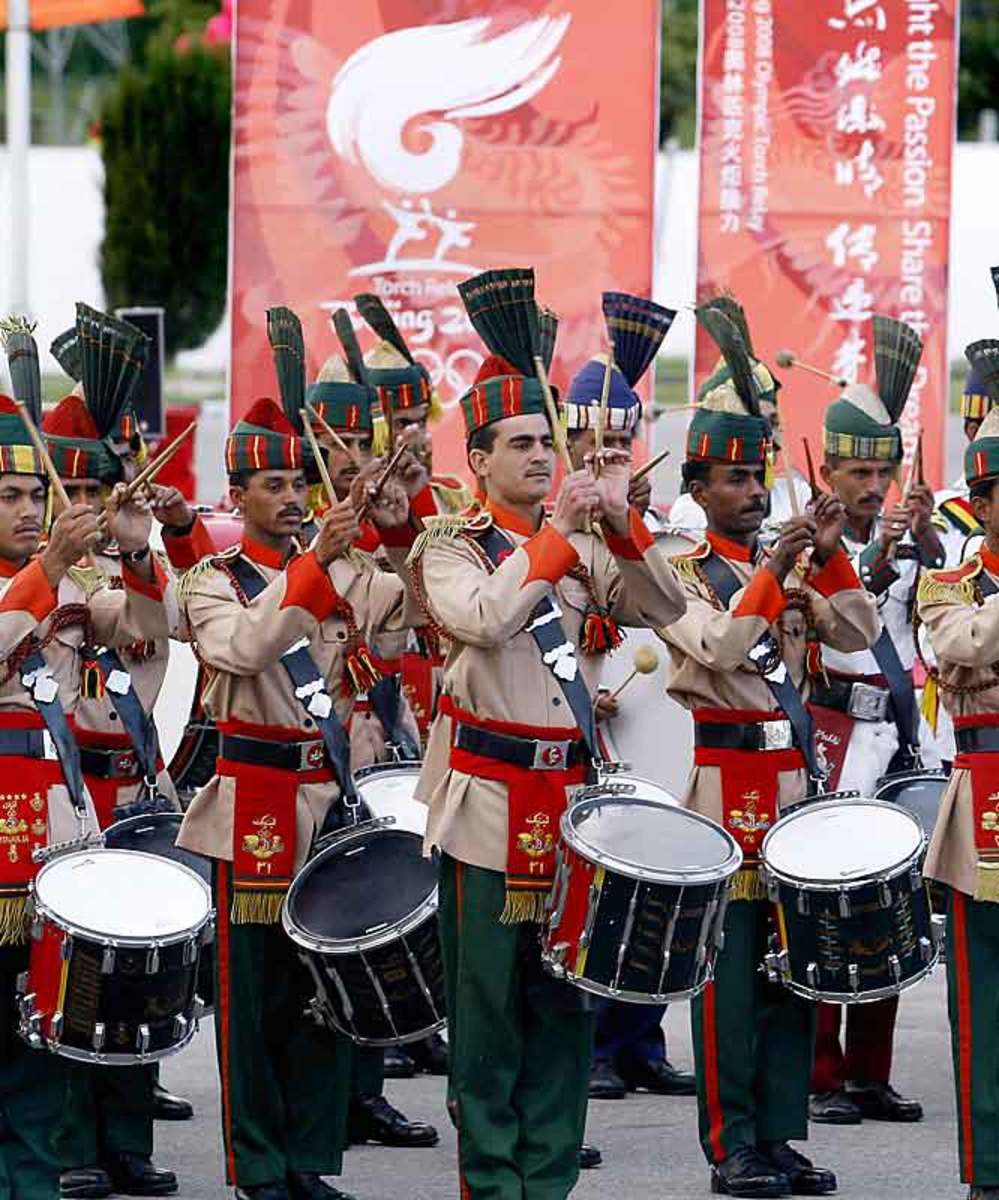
(638, 904)
(156, 833)
(853, 911)
(388, 791)
(113, 967)
(918, 792)
(363, 913)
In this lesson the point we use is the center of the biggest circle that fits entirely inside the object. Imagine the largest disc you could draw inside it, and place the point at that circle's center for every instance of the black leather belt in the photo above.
(279, 756)
(530, 753)
(748, 735)
(24, 743)
(104, 762)
(978, 739)
(858, 699)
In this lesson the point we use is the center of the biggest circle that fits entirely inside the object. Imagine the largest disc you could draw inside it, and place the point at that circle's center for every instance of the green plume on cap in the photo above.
(380, 319)
(113, 356)
(284, 332)
(22, 358)
(344, 329)
(727, 304)
(729, 340)
(65, 349)
(501, 306)
(983, 357)
(897, 350)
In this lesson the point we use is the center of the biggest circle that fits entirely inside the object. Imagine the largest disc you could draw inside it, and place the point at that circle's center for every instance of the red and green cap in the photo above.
(18, 455)
(263, 439)
(75, 446)
(500, 391)
(342, 405)
(727, 437)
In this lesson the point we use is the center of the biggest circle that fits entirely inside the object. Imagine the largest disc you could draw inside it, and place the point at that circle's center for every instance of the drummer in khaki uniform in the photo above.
(284, 1080)
(46, 603)
(753, 1040)
(106, 1135)
(520, 1041)
(960, 610)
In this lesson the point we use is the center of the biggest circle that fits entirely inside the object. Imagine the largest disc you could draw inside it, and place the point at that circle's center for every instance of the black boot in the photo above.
(661, 1078)
(833, 1108)
(167, 1107)
(135, 1175)
(306, 1186)
(880, 1102)
(806, 1179)
(373, 1119)
(263, 1191)
(983, 1193)
(399, 1063)
(589, 1157)
(429, 1054)
(605, 1083)
(748, 1173)
(85, 1183)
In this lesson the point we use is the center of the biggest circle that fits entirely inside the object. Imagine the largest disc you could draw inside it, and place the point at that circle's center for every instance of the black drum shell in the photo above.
(157, 834)
(918, 792)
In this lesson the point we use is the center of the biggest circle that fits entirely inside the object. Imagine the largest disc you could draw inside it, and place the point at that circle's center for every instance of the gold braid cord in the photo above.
(966, 592)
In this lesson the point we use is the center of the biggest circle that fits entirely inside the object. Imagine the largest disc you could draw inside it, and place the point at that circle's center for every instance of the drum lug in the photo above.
(153, 960)
(197, 1009)
(803, 903)
(776, 965)
(31, 1030)
(66, 949)
(853, 974)
(190, 952)
(843, 903)
(938, 930)
(19, 986)
(773, 887)
(108, 960)
(915, 879)
(884, 894)
(895, 968)
(208, 931)
(142, 1040)
(556, 959)
(37, 929)
(812, 975)
(55, 1027)
(97, 1041)
(925, 949)
(179, 1027)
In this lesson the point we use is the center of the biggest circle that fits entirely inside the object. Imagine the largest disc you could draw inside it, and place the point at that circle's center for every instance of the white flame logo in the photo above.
(454, 70)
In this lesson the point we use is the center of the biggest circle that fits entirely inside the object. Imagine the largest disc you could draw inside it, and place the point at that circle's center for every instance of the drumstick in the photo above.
(380, 483)
(598, 433)
(558, 433)
(330, 432)
(788, 358)
(645, 660)
(792, 491)
(813, 482)
(150, 470)
(320, 463)
(647, 468)
(914, 467)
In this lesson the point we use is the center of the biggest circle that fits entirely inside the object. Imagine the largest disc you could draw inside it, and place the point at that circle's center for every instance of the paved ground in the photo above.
(649, 1143)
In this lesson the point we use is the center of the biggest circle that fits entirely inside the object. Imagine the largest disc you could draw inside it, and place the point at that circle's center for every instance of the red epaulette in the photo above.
(967, 570)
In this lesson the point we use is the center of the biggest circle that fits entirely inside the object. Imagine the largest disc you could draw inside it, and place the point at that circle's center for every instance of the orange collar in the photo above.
(729, 549)
(990, 561)
(506, 518)
(9, 569)
(259, 553)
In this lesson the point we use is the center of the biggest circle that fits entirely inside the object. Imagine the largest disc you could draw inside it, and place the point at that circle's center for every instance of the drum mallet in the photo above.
(645, 661)
(788, 358)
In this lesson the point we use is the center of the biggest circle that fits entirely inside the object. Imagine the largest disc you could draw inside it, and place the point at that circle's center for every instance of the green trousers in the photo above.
(109, 1110)
(752, 1045)
(520, 1047)
(32, 1091)
(284, 1079)
(367, 1073)
(973, 1004)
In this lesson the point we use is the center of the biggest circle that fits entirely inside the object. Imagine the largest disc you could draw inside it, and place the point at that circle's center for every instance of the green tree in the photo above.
(678, 72)
(978, 72)
(165, 142)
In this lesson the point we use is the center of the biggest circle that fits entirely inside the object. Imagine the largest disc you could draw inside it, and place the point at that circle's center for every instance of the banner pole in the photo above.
(18, 71)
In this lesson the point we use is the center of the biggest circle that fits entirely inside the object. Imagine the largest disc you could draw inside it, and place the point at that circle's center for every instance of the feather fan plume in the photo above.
(983, 357)
(380, 319)
(636, 328)
(547, 333)
(284, 332)
(344, 330)
(113, 356)
(22, 358)
(501, 306)
(65, 349)
(897, 350)
(725, 333)
(726, 303)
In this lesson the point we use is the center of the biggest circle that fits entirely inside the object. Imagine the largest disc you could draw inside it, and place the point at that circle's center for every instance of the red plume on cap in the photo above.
(71, 419)
(267, 415)
(493, 367)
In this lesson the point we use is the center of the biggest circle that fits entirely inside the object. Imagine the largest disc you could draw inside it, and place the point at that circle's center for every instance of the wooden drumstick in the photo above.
(650, 466)
(645, 661)
(150, 470)
(330, 432)
(324, 473)
(788, 358)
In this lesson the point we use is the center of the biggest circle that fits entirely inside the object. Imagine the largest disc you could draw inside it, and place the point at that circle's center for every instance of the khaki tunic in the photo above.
(118, 616)
(965, 639)
(493, 667)
(243, 646)
(709, 667)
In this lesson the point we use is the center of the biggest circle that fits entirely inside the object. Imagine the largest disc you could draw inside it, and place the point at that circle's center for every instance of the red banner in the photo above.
(401, 146)
(826, 138)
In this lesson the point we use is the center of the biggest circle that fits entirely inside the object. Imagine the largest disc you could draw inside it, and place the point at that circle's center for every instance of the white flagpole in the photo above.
(18, 141)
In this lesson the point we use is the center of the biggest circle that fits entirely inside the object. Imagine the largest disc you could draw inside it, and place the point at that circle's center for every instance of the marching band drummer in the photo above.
(867, 720)
(754, 624)
(507, 741)
(47, 602)
(629, 1049)
(960, 610)
(278, 784)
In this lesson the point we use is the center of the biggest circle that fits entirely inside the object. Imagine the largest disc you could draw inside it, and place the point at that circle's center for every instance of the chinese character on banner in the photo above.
(861, 14)
(862, 66)
(412, 145)
(853, 243)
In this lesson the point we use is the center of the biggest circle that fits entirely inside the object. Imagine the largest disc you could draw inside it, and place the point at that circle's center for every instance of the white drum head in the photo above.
(842, 841)
(388, 792)
(123, 894)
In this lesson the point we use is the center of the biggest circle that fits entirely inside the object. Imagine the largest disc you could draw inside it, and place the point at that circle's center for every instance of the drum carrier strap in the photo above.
(557, 652)
(37, 677)
(310, 691)
(385, 698)
(902, 692)
(765, 656)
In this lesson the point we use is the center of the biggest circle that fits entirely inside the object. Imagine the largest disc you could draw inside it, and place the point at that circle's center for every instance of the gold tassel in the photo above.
(936, 591)
(747, 884)
(256, 908)
(929, 704)
(436, 529)
(523, 906)
(379, 436)
(185, 584)
(436, 409)
(13, 920)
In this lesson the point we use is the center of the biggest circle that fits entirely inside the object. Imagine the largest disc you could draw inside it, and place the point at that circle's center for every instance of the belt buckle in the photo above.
(123, 763)
(867, 703)
(551, 756)
(777, 735)
(311, 756)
